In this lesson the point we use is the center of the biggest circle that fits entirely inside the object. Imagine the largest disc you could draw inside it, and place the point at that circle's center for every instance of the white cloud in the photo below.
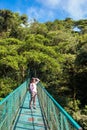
(50, 3)
(33, 13)
(40, 14)
(50, 10)
(76, 8)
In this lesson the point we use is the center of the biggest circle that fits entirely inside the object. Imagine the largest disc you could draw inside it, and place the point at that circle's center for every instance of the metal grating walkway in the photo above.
(29, 119)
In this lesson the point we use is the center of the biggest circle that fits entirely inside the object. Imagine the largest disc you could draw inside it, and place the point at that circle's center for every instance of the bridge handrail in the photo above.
(51, 102)
(10, 105)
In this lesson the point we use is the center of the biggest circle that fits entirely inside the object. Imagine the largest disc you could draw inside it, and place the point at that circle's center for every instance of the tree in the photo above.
(6, 17)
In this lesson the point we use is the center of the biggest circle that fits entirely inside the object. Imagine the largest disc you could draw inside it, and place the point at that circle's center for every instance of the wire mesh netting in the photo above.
(10, 105)
(57, 118)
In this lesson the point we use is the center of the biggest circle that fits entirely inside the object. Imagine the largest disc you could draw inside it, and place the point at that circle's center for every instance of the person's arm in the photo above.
(37, 80)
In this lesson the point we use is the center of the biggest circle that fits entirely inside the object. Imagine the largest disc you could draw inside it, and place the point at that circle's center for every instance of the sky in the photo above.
(48, 10)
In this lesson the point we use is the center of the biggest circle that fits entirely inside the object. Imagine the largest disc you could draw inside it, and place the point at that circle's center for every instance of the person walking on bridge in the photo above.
(33, 92)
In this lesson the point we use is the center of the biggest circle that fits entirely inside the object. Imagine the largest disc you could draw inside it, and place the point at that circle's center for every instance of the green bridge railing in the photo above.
(55, 116)
(9, 106)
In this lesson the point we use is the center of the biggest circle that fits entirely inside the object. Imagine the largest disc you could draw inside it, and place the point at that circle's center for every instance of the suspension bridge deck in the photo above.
(30, 119)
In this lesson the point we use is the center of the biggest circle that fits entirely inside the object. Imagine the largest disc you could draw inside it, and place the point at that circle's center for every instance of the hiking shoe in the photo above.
(34, 107)
(30, 107)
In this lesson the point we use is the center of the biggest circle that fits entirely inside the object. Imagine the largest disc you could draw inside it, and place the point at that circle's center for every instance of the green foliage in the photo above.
(11, 24)
(6, 86)
(37, 28)
(82, 25)
(82, 56)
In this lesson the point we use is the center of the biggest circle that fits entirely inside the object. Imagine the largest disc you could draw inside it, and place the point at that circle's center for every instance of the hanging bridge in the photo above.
(49, 114)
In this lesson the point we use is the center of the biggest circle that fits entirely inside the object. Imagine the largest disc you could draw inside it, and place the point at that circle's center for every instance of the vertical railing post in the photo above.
(61, 120)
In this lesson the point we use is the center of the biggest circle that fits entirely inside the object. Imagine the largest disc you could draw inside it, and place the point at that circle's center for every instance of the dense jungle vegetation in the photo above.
(55, 52)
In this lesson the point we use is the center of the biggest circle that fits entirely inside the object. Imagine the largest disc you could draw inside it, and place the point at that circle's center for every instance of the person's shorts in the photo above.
(33, 94)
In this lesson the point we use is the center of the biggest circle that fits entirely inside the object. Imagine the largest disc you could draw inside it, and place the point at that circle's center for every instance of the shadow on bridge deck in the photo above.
(30, 119)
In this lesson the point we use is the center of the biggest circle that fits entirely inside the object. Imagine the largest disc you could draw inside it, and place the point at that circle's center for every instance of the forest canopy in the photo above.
(54, 51)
